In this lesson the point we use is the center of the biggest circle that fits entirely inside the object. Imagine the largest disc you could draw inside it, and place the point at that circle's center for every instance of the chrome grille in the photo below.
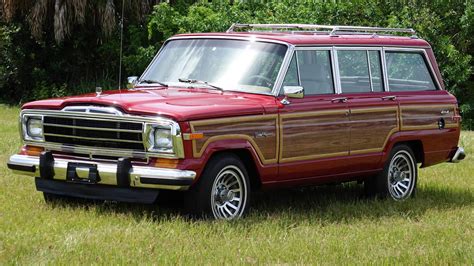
(93, 132)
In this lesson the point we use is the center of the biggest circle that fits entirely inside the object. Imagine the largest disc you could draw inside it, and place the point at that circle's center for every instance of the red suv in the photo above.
(259, 106)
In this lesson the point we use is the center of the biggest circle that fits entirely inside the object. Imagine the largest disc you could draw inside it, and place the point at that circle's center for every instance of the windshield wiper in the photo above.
(195, 81)
(150, 81)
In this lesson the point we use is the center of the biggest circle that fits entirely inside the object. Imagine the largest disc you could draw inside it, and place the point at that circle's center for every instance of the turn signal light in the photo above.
(32, 150)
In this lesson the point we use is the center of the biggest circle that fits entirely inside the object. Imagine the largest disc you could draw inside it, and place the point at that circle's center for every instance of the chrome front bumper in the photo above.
(108, 173)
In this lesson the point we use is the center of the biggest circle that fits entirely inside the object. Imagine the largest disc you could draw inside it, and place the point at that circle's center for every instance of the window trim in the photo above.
(424, 55)
(335, 65)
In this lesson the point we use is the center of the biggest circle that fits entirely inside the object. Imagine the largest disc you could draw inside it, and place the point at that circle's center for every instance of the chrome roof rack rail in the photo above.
(319, 29)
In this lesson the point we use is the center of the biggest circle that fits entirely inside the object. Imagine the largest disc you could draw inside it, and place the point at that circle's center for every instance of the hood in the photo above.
(181, 104)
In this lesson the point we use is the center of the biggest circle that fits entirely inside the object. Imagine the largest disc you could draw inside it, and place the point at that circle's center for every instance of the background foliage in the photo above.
(76, 46)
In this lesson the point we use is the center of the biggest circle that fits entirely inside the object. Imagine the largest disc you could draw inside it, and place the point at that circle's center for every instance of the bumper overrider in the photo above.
(120, 181)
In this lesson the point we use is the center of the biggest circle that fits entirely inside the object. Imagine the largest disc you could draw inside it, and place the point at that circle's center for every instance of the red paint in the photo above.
(187, 104)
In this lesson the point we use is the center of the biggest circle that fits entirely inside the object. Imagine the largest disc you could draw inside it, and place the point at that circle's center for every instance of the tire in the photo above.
(398, 178)
(223, 190)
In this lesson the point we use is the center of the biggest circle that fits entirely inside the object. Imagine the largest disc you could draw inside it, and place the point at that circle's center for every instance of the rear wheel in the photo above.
(223, 191)
(399, 176)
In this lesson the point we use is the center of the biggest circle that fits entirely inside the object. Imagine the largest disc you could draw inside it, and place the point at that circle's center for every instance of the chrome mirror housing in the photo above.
(292, 92)
(131, 82)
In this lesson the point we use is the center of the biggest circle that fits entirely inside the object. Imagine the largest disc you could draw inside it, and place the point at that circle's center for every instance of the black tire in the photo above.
(223, 182)
(398, 178)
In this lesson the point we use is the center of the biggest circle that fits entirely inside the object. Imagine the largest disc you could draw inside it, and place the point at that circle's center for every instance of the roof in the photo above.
(308, 38)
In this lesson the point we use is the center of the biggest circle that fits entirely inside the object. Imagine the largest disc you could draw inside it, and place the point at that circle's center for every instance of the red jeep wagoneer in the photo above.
(259, 106)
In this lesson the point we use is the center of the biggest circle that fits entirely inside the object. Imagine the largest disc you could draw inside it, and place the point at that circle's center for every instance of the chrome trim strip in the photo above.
(94, 128)
(108, 172)
(283, 70)
(384, 70)
(88, 138)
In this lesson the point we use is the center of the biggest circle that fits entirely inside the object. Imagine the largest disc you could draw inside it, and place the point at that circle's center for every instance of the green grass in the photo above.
(323, 225)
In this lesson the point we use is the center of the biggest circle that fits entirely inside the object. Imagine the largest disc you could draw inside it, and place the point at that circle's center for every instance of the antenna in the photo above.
(121, 48)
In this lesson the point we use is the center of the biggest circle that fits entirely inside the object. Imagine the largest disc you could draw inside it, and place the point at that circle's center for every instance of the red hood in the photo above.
(181, 104)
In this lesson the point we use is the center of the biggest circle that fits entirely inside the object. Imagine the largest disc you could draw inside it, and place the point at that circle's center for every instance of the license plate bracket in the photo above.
(82, 173)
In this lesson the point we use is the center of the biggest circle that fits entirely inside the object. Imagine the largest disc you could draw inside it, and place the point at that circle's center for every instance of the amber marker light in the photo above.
(166, 163)
(32, 150)
(192, 136)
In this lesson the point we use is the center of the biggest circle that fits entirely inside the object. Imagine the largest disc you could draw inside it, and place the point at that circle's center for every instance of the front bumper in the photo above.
(121, 174)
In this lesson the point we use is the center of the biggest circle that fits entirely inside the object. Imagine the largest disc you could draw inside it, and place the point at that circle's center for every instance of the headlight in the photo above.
(33, 128)
(162, 139)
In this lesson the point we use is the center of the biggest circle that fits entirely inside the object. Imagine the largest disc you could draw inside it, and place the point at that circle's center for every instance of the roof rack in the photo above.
(318, 29)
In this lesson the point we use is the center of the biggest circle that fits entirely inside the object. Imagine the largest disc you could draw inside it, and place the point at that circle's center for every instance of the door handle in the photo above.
(340, 99)
(391, 98)
(444, 112)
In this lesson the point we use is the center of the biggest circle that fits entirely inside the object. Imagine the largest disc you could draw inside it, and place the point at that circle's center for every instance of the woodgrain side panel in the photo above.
(371, 128)
(417, 117)
(260, 131)
(314, 135)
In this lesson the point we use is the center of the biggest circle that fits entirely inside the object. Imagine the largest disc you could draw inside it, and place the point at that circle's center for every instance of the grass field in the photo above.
(324, 225)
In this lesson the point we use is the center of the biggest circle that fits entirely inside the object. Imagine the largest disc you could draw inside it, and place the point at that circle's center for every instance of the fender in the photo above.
(436, 144)
(265, 171)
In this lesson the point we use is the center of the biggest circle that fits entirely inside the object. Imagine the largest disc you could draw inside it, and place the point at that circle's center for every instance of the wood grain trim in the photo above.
(426, 106)
(303, 115)
(198, 154)
(390, 133)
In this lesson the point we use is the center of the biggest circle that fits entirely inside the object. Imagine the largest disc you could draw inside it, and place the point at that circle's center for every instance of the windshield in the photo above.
(236, 65)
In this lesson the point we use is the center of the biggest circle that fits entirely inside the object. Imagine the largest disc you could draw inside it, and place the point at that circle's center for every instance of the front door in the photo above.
(314, 130)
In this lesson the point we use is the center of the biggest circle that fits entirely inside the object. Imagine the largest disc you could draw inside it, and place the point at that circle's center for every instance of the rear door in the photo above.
(314, 130)
(373, 112)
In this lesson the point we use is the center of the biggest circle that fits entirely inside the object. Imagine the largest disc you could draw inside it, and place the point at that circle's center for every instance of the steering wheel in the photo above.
(265, 80)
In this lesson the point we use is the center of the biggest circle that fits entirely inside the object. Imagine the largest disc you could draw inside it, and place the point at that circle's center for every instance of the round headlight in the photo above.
(34, 127)
(162, 138)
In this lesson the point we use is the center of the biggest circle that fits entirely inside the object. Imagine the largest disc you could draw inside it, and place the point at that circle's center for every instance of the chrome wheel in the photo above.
(229, 193)
(401, 175)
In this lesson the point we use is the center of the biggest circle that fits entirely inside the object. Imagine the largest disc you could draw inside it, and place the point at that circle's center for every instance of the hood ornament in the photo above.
(98, 91)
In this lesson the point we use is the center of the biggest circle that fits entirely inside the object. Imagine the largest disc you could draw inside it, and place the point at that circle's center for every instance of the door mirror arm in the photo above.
(292, 92)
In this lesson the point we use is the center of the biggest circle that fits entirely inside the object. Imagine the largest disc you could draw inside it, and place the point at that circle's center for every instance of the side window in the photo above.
(407, 71)
(315, 71)
(375, 71)
(291, 78)
(353, 71)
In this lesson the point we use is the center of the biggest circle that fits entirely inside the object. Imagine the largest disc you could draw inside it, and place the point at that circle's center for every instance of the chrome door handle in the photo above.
(340, 99)
(391, 98)
(444, 112)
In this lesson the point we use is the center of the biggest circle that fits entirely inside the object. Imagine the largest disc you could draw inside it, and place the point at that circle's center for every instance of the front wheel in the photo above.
(399, 176)
(223, 191)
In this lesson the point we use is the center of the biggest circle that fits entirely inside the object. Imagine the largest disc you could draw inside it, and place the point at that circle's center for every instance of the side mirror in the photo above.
(292, 92)
(131, 82)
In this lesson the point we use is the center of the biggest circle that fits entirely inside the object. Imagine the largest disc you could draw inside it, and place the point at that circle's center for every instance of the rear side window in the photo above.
(315, 71)
(407, 71)
(354, 71)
